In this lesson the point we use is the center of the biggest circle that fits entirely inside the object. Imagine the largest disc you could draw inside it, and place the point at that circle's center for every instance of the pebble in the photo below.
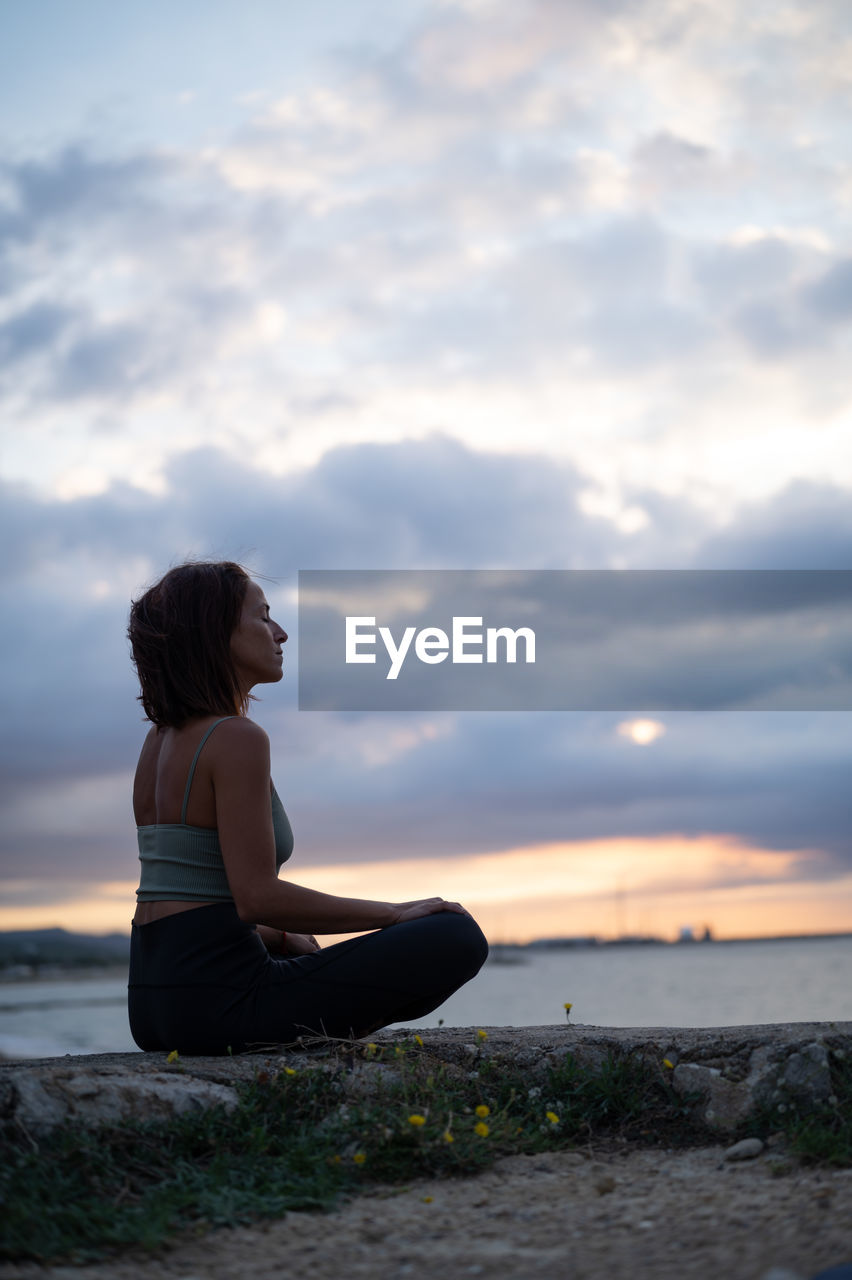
(778, 1139)
(747, 1149)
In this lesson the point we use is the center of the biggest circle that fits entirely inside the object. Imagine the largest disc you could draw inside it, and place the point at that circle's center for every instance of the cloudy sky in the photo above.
(533, 284)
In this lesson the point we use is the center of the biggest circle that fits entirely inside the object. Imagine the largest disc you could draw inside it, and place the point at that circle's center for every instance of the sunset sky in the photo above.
(407, 284)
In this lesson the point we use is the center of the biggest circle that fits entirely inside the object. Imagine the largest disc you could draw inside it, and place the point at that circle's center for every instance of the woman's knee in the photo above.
(460, 936)
(476, 942)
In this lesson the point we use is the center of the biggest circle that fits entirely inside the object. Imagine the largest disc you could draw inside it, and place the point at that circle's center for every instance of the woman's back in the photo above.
(181, 860)
(162, 774)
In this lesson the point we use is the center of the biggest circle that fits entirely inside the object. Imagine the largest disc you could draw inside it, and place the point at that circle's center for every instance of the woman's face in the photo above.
(256, 642)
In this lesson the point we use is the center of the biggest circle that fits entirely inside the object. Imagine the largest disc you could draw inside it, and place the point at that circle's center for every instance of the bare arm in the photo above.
(240, 773)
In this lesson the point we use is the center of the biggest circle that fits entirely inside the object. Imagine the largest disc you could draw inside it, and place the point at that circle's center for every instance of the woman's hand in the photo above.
(425, 907)
(287, 944)
(299, 944)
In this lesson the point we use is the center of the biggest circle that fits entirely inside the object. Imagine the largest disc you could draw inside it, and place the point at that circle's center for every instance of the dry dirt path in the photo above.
(620, 1213)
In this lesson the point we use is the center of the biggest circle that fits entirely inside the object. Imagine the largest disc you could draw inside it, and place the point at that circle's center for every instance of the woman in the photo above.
(222, 952)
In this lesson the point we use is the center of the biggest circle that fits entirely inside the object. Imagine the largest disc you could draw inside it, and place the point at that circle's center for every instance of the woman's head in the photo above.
(180, 635)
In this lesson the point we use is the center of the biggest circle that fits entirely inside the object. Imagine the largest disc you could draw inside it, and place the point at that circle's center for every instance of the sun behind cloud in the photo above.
(642, 732)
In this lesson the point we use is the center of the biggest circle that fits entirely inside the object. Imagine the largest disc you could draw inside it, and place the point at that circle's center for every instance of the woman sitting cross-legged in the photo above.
(223, 953)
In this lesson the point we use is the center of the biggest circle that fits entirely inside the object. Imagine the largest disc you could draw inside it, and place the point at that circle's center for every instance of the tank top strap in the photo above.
(195, 762)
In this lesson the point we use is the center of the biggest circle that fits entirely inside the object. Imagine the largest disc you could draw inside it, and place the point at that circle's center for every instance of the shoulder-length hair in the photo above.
(180, 637)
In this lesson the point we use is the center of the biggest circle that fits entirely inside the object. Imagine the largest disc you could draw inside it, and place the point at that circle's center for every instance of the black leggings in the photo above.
(202, 982)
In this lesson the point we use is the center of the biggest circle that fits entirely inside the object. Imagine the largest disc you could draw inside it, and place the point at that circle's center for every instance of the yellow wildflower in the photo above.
(481, 1130)
(372, 1049)
(482, 1111)
(174, 1056)
(417, 1121)
(428, 1199)
(359, 1157)
(552, 1117)
(335, 1159)
(290, 1071)
(399, 1051)
(418, 1041)
(568, 1006)
(447, 1136)
(668, 1063)
(481, 1035)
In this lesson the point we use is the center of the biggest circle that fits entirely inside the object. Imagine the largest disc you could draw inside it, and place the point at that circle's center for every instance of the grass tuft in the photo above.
(823, 1135)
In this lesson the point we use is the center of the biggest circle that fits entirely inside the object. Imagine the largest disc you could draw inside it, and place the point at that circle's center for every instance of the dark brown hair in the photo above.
(180, 636)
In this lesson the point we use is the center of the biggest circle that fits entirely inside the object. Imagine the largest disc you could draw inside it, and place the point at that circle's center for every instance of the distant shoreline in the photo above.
(553, 944)
(63, 973)
(20, 965)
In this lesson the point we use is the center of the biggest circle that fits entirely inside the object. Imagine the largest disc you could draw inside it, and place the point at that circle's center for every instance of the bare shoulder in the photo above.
(240, 729)
(239, 738)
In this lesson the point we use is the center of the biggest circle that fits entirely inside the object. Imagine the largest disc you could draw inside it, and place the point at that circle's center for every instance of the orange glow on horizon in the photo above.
(101, 908)
(602, 888)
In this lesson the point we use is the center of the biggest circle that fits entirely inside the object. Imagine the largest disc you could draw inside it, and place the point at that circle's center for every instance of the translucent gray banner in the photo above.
(575, 640)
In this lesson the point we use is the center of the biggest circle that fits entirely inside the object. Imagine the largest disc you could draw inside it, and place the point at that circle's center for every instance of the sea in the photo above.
(702, 984)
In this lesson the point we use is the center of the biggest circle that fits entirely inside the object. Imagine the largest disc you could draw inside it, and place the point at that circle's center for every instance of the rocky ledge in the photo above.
(725, 1072)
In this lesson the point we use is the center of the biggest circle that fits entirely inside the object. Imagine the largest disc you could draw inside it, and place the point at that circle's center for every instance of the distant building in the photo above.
(688, 934)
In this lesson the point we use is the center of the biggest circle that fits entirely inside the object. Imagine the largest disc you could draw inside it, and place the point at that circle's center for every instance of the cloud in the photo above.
(374, 786)
(830, 297)
(463, 218)
(808, 526)
(512, 781)
(108, 363)
(539, 284)
(73, 185)
(731, 274)
(30, 330)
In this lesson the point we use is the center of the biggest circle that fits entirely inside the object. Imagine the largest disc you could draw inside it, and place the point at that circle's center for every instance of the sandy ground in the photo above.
(620, 1212)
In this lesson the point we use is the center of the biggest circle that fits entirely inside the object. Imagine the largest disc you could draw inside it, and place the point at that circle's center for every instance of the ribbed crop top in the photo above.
(184, 864)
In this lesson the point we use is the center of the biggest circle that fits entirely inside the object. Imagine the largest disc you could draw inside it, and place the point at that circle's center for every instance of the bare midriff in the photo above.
(148, 912)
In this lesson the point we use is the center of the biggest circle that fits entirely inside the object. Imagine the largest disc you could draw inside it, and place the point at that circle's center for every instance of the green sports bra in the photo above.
(184, 863)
